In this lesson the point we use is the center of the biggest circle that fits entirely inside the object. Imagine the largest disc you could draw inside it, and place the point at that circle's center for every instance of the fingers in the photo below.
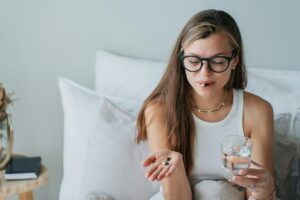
(159, 155)
(159, 171)
(171, 170)
(154, 175)
(255, 163)
(242, 160)
(255, 178)
(252, 178)
(152, 169)
(237, 159)
(163, 172)
(156, 167)
(250, 183)
(252, 172)
(161, 164)
(149, 160)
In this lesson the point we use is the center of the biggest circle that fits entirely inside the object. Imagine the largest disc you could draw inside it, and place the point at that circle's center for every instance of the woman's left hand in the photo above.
(256, 179)
(163, 163)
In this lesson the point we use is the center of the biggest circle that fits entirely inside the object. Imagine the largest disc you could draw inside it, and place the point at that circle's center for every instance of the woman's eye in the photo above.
(193, 60)
(218, 61)
(215, 62)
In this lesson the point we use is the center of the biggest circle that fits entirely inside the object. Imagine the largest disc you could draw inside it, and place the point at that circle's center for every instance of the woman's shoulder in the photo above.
(254, 101)
(153, 108)
(256, 106)
(258, 115)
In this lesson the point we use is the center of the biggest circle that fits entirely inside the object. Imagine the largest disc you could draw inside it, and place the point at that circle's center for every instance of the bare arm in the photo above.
(258, 120)
(177, 185)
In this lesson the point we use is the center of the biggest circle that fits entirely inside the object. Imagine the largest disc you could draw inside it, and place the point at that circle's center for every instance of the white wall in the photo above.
(43, 40)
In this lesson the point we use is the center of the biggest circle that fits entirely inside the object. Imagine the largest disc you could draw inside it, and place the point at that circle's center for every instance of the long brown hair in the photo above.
(173, 92)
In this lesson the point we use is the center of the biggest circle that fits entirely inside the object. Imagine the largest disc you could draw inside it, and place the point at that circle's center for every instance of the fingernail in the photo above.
(235, 178)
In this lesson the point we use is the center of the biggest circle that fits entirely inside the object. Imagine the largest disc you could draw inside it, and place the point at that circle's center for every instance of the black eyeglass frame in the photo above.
(182, 57)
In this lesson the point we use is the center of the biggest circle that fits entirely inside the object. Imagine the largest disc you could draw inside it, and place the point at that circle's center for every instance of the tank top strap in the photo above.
(240, 111)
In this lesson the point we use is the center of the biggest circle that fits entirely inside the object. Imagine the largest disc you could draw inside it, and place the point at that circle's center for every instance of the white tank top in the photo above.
(207, 160)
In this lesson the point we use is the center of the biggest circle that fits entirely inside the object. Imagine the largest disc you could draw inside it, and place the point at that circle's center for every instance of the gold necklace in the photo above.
(213, 109)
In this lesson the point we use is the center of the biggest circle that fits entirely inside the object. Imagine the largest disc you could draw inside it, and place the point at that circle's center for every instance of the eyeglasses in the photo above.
(216, 64)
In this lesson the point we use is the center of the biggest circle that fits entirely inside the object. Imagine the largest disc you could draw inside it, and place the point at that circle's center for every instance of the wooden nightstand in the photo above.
(23, 188)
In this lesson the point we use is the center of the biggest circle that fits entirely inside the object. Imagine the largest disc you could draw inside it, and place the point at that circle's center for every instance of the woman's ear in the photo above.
(235, 60)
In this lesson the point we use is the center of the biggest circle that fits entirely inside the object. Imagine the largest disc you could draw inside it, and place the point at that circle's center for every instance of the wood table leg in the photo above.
(26, 196)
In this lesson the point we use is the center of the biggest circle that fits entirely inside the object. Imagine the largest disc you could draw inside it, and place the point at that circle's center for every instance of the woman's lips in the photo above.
(205, 83)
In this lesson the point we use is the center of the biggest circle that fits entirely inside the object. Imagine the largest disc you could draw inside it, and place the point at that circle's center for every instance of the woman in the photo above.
(200, 100)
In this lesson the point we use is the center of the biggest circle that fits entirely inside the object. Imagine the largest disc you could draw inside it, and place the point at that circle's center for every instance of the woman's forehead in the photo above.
(213, 44)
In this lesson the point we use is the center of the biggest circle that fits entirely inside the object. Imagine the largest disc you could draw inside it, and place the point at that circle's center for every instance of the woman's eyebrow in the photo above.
(213, 55)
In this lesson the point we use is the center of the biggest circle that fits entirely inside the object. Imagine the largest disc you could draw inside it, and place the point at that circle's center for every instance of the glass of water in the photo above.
(236, 151)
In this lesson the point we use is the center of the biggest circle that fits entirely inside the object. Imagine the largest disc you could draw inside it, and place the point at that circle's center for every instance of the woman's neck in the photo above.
(218, 114)
(211, 103)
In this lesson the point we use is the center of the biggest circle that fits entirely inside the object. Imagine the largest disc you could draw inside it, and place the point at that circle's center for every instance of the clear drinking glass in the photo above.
(236, 146)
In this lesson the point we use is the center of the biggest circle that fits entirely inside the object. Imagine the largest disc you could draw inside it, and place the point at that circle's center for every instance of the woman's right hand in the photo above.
(163, 163)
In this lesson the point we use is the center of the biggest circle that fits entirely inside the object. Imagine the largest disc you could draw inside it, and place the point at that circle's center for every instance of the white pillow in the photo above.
(134, 79)
(125, 77)
(286, 167)
(282, 123)
(295, 130)
(211, 190)
(76, 112)
(113, 160)
(280, 87)
(89, 115)
(286, 157)
(131, 107)
(96, 196)
(218, 190)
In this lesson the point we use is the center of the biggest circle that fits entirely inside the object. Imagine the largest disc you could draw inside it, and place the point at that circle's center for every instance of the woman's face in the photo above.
(205, 82)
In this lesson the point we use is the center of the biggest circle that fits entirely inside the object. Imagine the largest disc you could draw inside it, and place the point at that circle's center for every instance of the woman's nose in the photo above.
(205, 68)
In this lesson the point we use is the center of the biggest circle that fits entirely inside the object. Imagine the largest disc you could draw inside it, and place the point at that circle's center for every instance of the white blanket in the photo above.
(209, 189)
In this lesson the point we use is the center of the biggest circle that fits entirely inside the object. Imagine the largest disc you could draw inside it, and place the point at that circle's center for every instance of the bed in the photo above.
(101, 160)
